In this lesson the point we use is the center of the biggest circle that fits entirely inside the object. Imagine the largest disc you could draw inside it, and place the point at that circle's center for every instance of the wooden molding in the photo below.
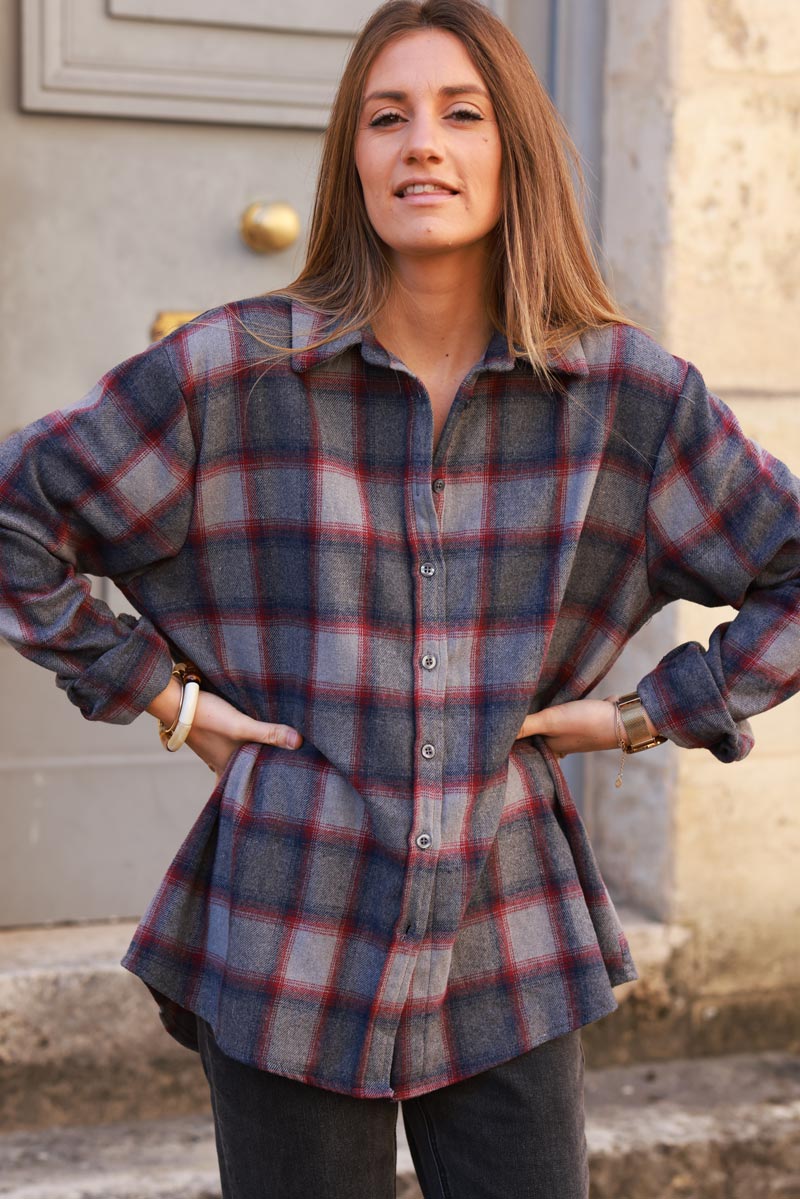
(116, 58)
(302, 16)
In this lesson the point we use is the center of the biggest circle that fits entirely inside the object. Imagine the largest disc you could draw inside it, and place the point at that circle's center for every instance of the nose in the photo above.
(423, 139)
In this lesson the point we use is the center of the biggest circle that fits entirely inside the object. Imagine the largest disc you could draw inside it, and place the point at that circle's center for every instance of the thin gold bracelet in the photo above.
(631, 729)
(621, 742)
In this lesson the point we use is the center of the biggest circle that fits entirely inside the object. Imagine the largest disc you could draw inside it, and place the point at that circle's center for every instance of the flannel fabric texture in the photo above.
(411, 897)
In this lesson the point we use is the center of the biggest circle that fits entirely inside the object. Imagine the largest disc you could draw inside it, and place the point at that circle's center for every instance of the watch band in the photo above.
(631, 713)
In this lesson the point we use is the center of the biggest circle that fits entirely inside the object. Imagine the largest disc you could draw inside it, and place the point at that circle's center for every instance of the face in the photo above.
(428, 149)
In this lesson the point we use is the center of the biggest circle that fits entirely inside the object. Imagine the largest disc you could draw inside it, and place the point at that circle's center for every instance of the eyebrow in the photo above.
(455, 89)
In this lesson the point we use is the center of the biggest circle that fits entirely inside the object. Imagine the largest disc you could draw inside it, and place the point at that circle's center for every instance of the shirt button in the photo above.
(424, 841)
(429, 661)
(428, 750)
(427, 569)
(438, 484)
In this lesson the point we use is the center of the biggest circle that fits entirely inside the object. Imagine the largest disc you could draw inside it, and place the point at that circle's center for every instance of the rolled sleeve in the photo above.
(124, 679)
(104, 488)
(723, 528)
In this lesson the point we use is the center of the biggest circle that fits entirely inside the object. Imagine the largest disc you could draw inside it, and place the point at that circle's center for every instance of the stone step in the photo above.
(719, 1128)
(149, 1159)
(697, 1128)
(80, 1037)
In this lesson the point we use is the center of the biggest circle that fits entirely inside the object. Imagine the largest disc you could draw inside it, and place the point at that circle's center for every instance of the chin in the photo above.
(434, 243)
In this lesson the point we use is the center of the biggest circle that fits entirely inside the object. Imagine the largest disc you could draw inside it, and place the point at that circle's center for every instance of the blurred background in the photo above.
(139, 140)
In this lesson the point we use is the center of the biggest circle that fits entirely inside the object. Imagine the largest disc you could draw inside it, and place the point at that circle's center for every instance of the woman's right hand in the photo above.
(219, 729)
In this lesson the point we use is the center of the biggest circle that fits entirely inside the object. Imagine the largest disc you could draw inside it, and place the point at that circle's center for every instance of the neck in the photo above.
(436, 311)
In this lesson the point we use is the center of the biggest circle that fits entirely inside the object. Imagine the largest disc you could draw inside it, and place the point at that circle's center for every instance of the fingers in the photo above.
(573, 727)
(286, 737)
(281, 735)
(220, 719)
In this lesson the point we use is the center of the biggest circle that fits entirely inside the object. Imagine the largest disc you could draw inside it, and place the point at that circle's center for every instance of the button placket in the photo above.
(429, 664)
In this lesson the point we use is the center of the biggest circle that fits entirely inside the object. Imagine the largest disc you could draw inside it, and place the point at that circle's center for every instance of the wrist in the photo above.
(173, 734)
(649, 728)
(633, 728)
(640, 732)
(166, 704)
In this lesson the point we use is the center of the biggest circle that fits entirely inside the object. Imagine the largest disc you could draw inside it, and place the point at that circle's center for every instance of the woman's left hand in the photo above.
(574, 727)
(577, 726)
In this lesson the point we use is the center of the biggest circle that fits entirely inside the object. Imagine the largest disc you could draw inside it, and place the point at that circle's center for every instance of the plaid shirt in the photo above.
(409, 898)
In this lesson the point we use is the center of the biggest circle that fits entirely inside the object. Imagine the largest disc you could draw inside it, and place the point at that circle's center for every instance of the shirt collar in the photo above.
(308, 325)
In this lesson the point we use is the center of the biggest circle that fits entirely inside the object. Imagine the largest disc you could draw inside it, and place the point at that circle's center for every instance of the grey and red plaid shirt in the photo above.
(410, 898)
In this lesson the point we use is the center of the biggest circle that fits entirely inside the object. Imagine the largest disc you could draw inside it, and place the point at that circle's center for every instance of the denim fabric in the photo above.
(515, 1131)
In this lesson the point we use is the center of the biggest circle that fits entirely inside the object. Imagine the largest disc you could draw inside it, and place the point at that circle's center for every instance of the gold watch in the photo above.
(631, 713)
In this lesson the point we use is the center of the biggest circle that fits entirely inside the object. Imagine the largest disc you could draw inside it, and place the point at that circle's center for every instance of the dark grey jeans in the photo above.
(513, 1132)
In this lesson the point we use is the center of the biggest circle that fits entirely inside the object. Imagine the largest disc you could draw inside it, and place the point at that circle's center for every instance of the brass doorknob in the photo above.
(166, 322)
(266, 228)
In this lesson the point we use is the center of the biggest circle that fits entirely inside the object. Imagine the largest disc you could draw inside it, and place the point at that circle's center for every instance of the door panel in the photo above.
(181, 60)
(105, 223)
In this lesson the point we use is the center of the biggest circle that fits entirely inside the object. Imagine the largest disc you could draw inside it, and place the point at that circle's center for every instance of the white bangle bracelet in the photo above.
(172, 738)
(191, 694)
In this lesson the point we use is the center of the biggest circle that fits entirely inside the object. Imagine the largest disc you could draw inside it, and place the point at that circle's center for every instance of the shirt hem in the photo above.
(180, 1023)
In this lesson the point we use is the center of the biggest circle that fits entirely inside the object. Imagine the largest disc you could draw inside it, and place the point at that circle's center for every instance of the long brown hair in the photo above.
(545, 285)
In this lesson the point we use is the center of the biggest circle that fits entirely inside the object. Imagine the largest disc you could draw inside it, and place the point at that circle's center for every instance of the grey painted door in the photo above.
(142, 130)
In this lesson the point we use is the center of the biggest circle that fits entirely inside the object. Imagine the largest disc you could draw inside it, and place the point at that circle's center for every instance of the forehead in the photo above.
(427, 58)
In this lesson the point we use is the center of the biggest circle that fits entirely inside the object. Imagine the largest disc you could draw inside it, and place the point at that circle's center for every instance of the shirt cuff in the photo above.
(124, 680)
(682, 699)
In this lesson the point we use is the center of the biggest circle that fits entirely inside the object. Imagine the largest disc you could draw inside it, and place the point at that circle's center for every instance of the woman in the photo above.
(402, 517)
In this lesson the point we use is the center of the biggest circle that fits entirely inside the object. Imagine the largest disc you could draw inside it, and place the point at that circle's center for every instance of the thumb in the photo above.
(281, 735)
(534, 722)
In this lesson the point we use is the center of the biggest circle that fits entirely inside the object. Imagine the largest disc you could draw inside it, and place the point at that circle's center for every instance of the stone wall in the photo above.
(702, 236)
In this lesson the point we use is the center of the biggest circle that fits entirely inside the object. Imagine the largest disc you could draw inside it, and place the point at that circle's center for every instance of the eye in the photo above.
(465, 114)
(385, 119)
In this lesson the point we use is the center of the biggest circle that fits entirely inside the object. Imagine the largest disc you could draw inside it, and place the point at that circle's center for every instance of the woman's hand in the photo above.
(577, 726)
(574, 727)
(218, 728)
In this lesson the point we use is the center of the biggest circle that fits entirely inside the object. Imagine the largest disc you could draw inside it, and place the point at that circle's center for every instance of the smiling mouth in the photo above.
(425, 189)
